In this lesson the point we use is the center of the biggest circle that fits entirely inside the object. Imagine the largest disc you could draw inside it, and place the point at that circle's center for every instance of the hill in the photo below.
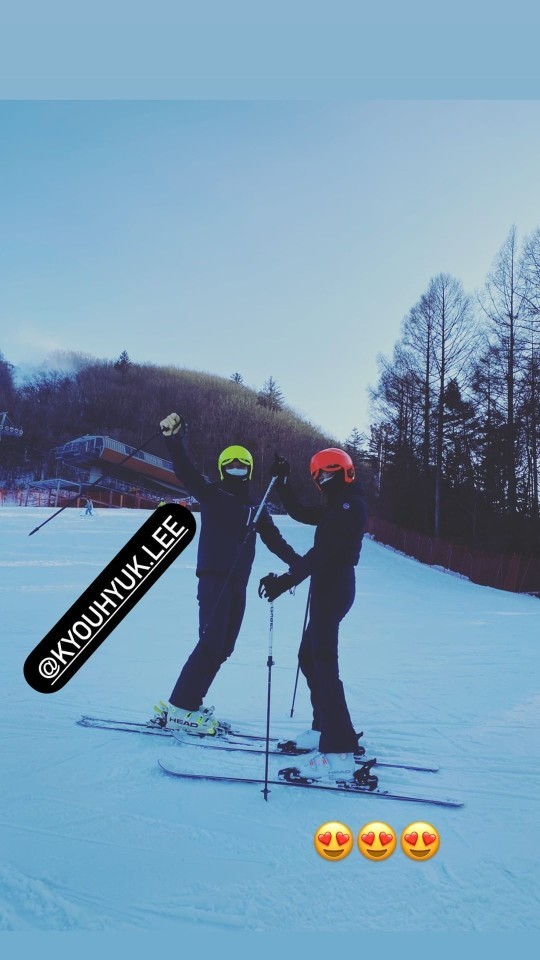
(126, 401)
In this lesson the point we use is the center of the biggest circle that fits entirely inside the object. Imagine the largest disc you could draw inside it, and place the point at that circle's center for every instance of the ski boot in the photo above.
(195, 723)
(202, 716)
(223, 725)
(332, 768)
(321, 767)
(363, 777)
(305, 742)
(161, 712)
(308, 741)
(360, 750)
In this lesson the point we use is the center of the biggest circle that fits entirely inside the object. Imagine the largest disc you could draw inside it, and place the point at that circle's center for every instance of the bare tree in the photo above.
(417, 335)
(531, 303)
(453, 334)
(396, 398)
(503, 303)
(488, 391)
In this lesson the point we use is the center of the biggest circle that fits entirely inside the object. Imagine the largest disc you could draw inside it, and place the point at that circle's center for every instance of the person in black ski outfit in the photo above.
(224, 563)
(340, 525)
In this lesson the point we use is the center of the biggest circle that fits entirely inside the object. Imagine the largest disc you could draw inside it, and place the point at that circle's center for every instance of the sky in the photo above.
(283, 239)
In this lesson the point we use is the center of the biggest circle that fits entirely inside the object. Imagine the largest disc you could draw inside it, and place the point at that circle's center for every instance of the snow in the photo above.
(96, 837)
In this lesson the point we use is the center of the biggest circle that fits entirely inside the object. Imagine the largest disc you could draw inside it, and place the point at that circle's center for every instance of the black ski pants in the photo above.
(221, 611)
(332, 597)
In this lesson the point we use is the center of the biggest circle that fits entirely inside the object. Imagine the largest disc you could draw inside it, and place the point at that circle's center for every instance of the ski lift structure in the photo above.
(7, 428)
(135, 482)
(99, 454)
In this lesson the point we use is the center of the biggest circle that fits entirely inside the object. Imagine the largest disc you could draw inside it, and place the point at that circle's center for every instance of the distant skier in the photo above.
(223, 569)
(340, 525)
(89, 512)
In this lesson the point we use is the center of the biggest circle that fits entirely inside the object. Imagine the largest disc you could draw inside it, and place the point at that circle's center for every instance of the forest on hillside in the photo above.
(456, 409)
(126, 401)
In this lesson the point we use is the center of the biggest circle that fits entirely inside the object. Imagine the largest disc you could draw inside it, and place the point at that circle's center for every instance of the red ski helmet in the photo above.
(331, 460)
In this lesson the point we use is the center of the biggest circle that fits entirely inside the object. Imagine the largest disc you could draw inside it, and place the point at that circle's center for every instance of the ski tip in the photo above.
(166, 769)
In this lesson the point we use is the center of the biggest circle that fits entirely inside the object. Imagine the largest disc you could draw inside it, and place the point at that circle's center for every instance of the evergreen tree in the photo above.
(123, 363)
(271, 396)
(355, 443)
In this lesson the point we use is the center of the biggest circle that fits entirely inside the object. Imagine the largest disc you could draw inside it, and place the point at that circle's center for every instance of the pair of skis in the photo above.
(364, 781)
(232, 741)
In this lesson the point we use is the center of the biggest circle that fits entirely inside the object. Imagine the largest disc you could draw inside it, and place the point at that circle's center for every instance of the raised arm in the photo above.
(194, 482)
(295, 509)
(281, 469)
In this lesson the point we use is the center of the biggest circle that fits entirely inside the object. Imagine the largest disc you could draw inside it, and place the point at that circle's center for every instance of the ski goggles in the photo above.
(324, 476)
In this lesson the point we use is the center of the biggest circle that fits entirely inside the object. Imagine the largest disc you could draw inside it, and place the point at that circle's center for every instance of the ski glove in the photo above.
(171, 425)
(281, 468)
(271, 587)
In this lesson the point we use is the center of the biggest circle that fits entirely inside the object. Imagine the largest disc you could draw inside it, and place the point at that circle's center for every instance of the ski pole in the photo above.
(99, 479)
(249, 531)
(303, 635)
(269, 664)
(253, 523)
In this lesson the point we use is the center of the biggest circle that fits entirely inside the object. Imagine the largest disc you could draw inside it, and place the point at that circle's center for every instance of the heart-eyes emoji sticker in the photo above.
(377, 841)
(333, 841)
(420, 841)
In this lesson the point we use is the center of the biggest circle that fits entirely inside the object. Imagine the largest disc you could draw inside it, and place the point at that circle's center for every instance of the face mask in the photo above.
(236, 471)
(324, 477)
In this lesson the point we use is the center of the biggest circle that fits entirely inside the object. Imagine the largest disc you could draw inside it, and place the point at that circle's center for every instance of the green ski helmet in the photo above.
(235, 452)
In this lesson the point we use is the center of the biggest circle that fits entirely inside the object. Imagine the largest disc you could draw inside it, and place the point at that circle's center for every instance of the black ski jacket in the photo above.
(340, 526)
(224, 519)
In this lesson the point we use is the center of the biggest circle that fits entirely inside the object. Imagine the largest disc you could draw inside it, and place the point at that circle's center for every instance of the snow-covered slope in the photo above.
(95, 837)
